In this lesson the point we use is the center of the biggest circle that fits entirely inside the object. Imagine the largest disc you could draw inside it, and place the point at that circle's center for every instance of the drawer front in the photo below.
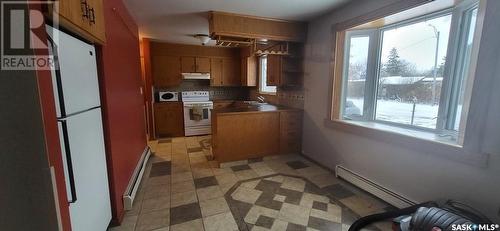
(292, 115)
(291, 125)
(218, 105)
(291, 134)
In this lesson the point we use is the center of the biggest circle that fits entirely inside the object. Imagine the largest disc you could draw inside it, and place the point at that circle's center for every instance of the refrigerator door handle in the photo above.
(69, 163)
(58, 77)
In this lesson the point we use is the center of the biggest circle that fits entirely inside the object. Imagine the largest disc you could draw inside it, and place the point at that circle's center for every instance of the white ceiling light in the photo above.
(204, 39)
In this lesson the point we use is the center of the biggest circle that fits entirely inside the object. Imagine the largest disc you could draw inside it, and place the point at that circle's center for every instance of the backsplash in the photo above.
(285, 97)
(216, 93)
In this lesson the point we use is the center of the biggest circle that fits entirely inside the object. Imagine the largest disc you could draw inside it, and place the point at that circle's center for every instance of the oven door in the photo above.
(197, 114)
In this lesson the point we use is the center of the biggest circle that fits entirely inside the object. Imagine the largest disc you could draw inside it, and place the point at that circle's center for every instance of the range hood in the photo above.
(196, 75)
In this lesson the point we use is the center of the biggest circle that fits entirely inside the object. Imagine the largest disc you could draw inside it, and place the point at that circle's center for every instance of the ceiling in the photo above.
(177, 20)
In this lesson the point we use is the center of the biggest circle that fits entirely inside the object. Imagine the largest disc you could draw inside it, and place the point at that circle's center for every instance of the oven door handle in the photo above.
(204, 106)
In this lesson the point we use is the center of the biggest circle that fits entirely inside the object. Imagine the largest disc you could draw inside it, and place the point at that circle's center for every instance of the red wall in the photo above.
(51, 132)
(123, 104)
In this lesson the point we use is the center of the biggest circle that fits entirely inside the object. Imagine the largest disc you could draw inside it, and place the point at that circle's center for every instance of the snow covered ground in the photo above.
(399, 112)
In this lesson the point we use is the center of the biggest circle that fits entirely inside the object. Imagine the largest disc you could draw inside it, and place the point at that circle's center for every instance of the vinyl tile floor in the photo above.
(184, 189)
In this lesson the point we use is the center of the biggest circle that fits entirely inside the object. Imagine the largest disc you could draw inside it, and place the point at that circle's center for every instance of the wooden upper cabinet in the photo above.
(244, 26)
(202, 65)
(195, 65)
(74, 11)
(273, 77)
(97, 19)
(188, 64)
(225, 72)
(215, 71)
(170, 60)
(85, 18)
(249, 71)
(166, 71)
(231, 72)
(169, 119)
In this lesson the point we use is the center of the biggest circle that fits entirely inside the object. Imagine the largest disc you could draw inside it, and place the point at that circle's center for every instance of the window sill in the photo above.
(426, 142)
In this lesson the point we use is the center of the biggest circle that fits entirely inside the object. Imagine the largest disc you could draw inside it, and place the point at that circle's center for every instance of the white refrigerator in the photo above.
(76, 91)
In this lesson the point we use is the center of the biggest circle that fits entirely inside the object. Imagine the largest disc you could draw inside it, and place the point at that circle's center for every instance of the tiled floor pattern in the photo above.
(183, 189)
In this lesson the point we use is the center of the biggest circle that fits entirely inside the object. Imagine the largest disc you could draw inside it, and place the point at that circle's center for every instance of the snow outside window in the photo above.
(410, 74)
(263, 88)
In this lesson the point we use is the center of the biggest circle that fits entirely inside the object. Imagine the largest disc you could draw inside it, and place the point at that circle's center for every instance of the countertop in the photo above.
(252, 109)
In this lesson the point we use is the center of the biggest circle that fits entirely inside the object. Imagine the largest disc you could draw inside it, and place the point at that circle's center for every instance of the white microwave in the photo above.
(166, 96)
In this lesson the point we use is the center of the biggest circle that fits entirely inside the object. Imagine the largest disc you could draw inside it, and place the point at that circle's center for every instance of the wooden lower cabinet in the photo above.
(223, 104)
(290, 132)
(169, 119)
(239, 136)
(245, 135)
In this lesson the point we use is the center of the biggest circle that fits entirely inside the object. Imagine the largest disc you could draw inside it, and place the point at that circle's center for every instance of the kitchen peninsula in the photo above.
(254, 130)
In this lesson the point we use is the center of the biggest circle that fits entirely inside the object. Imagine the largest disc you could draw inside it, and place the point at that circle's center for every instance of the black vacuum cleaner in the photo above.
(430, 216)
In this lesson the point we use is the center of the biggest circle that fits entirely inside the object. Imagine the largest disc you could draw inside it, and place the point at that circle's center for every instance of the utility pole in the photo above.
(434, 82)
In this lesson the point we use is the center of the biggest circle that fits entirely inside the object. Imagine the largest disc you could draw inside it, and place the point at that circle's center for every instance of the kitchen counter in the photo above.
(248, 108)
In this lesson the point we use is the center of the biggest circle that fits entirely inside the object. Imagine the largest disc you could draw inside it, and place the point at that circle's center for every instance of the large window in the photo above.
(410, 73)
(263, 87)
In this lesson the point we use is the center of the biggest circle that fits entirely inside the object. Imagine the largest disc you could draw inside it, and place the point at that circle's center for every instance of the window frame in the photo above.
(460, 43)
(262, 83)
(371, 69)
(448, 93)
(468, 150)
(444, 97)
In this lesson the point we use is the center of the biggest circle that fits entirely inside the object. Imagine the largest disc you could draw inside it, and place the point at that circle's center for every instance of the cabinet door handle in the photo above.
(92, 16)
(85, 9)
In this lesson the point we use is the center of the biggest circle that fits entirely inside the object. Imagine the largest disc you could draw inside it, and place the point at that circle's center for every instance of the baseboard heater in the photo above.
(135, 180)
(376, 189)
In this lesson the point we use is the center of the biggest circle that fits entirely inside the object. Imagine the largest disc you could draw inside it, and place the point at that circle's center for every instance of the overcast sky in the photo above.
(415, 43)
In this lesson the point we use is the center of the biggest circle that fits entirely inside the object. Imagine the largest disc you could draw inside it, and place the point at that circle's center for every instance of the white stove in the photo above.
(197, 118)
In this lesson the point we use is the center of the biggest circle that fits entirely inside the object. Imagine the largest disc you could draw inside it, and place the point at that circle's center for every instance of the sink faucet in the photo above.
(261, 99)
